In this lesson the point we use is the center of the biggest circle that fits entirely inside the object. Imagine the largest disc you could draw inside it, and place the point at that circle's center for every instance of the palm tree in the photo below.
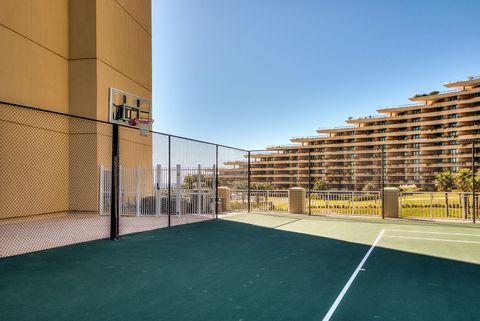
(320, 185)
(463, 180)
(445, 182)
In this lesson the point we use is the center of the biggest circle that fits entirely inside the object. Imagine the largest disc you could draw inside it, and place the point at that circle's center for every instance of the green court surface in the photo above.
(255, 267)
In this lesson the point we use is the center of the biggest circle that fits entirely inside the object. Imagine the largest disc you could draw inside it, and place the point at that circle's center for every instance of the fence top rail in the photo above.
(420, 193)
(345, 192)
(108, 123)
(269, 190)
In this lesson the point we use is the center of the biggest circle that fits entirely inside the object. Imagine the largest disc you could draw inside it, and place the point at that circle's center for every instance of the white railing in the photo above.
(437, 205)
(345, 203)
(144, 191)
(269, 201)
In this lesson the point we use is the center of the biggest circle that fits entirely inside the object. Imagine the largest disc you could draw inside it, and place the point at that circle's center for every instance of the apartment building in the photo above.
(414, 141)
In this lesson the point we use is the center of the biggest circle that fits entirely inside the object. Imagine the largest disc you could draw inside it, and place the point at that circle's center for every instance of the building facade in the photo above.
(64, 56)
(414, 142)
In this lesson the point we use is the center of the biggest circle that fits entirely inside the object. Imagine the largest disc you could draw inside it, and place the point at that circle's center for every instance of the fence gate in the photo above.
(145, 191)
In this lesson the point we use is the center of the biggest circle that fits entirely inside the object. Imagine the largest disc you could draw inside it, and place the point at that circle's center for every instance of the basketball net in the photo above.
(144, 126)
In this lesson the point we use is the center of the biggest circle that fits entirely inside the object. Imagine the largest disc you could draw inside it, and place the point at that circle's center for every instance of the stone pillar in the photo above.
(224, 194)
(391, 196)
(297, 200)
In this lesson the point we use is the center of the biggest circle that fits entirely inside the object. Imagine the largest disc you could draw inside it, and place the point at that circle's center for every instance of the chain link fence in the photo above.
(59, 187)
(50, 179)
(429, 175)
(69, 179)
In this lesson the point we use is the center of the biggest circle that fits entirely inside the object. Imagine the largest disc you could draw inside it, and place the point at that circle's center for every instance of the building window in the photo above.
(452, 107)
(453, 116)
(415, 136)
(416, 128)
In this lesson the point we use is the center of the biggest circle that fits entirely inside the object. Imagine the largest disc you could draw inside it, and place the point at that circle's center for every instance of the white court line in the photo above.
(432, 239)
(352, 278)
(430, 232)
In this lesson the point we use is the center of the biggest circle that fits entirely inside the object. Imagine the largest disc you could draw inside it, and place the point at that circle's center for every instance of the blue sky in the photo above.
(251, 73)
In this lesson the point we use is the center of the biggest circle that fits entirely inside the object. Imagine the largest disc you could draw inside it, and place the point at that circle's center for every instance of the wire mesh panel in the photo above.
(143, 181)
(50, 168)
(193, 182)
(233, 179)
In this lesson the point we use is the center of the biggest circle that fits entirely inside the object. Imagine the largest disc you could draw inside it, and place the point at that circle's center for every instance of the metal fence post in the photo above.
(169, 182)
(401, 204)
(382, 180)
(101, 190)
(353, 203)
(158, 203)
(431, 205)
(178, 199)
(199, 189)
(328, 202)
(248, 183)
(309, 182)
(474, 200)
(115, 186)
(120, 191)
(216, 181)
(137, 191)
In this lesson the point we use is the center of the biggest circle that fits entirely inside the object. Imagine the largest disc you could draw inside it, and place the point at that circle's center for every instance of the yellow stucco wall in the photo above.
(34, 53)
(64, 55)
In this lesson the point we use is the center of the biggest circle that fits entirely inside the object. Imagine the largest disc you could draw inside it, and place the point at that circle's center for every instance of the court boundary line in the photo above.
(431, 232)
(295, 220)
(431, 239)
(352, 278)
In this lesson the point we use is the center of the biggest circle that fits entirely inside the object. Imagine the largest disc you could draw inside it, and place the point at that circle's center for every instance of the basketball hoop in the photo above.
(144, 126)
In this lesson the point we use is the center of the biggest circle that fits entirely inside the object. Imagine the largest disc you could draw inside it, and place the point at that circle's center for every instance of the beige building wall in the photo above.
(64, 55)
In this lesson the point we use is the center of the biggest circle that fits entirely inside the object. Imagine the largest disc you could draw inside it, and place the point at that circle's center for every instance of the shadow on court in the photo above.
(224, 270)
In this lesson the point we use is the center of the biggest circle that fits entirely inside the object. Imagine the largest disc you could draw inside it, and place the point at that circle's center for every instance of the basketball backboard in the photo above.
(129, 110)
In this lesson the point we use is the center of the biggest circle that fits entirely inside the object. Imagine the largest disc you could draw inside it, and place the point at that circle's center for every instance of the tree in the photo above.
(190, 181)
(445, 182)
(370, 186)
(408, 188)
(463, 180)
(320, 185)
(261, 186)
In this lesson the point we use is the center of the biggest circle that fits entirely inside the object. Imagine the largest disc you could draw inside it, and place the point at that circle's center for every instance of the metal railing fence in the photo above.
(268, 201)
(355, 203)
(438, 205)
(144, 191)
